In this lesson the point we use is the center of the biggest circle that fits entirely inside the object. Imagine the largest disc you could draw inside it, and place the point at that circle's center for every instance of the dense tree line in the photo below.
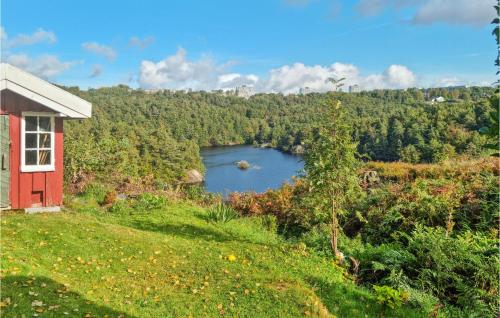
(137, 133)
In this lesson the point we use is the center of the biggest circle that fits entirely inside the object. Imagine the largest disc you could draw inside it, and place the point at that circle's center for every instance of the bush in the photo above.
(109, 198)
(318, 238)
(461, 271)
(120, 207)
(289, 204)
(269, 223)
(221, 213)
(410, 154)
(198, 194)
(467, 202)
(382, 264)
(149, 201)
(390, 297)
(95, 192)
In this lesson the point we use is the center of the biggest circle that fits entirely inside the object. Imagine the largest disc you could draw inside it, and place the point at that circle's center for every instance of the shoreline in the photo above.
(260, 146)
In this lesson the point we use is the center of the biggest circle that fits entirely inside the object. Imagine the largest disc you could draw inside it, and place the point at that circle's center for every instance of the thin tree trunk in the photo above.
(334, 231)
(449, 223)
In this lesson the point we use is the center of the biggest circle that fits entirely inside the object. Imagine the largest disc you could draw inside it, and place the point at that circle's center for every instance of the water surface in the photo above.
(269, 168)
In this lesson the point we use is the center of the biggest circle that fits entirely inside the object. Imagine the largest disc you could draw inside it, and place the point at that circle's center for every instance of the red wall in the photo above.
(27, 189)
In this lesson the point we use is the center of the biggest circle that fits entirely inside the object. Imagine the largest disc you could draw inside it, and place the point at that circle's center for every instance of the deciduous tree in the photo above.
(330, 166)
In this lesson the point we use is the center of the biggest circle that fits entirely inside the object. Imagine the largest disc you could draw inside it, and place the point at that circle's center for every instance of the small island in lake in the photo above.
(243, 165)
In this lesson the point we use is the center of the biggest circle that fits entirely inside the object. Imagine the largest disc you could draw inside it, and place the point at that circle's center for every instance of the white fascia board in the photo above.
(40, 99)
(42, 92)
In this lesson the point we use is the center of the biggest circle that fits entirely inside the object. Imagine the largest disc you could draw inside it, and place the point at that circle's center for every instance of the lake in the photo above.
(269, 168)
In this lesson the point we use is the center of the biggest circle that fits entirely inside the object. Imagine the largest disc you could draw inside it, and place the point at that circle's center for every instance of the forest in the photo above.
(134, 133)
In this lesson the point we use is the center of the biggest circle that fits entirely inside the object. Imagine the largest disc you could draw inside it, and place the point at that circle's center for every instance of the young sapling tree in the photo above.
(331, 168)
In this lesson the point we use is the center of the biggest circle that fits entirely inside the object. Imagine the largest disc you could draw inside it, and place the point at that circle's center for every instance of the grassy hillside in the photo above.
(167, 261)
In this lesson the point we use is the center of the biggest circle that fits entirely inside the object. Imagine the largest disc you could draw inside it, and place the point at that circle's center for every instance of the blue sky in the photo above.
(279, 45)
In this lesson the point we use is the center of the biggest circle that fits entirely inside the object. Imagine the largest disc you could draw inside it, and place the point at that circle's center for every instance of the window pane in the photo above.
(30, 157)
(44, 157)
(30, 123)
(31, 141)
(44, 141)
(44, 123)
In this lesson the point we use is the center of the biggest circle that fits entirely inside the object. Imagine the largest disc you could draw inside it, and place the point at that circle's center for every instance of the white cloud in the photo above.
(399, 76)
(37, 37)
(177, 72)
(478, 12)
(473, 12)
(289, 79)
(459, 79)
(96, 70)
(103, 50)
(231, 80)
(45, 66)
(141, 43)
(447, 81)
(373, 7)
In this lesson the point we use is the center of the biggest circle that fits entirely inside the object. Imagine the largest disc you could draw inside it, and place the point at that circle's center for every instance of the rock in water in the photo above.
(243, 164)
(194, 176)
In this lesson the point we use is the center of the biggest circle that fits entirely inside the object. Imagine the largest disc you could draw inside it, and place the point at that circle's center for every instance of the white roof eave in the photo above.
(42, 92)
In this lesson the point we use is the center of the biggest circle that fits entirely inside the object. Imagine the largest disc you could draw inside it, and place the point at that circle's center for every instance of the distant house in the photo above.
(354, 88)
(439, 99)
(305, 90)
(31, 148)
(244, 91)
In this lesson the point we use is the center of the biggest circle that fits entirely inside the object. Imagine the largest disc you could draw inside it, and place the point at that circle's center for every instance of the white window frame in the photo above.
(37, 168)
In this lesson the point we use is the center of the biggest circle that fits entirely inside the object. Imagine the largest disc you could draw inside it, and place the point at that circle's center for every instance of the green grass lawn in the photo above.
(168, 262)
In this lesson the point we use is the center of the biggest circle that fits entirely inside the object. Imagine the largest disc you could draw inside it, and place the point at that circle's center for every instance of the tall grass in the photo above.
(221, 213)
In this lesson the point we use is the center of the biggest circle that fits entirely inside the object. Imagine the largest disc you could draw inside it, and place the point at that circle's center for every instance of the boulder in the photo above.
(243, 165)
(298, 150)
(194, 176)
(121, 196)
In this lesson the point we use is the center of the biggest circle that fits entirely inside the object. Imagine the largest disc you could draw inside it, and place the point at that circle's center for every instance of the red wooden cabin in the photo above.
(32, 112)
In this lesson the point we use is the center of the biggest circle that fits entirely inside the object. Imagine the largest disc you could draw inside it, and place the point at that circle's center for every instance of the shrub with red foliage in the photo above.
(109, 198)
(406, 195)
(288, 204)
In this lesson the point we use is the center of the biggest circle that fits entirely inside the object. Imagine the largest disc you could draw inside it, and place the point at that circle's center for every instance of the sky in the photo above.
(271, 45)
